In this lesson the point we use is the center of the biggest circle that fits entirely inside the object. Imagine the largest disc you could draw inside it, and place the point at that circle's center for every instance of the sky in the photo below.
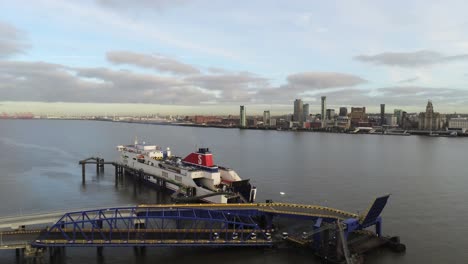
(209, 57)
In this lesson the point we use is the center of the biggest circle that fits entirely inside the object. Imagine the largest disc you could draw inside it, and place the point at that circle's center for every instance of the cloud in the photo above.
(232, 87)
(12, 40)
(410, 59)
(156, 62)
(45, 82)
(299, 84)
(322, 80)
(227, 81)
(409, 80)
(126, 5)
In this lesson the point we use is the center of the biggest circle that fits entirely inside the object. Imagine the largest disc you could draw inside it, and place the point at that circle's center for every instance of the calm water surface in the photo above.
(427, 178)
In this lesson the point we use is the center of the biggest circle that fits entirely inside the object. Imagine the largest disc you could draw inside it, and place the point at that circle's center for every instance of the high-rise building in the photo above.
(243, 119)
(322, 112)
(266, 118)
(298, 111)
(343, 111)
(382, 114)
(306, 112)
(330, 115)
(397, 113)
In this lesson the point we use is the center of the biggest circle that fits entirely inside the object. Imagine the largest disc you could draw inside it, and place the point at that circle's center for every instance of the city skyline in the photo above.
(168, 57)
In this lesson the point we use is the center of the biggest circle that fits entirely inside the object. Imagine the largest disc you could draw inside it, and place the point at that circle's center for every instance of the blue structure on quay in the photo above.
(333, 234)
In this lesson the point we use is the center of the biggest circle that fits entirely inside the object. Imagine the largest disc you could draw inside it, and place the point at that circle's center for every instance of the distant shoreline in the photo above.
(397, 132)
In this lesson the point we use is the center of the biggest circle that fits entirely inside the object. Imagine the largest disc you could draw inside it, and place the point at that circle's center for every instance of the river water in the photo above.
(426, 177)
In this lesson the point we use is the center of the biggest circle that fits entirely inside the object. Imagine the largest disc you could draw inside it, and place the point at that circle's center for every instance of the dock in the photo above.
(332, 234)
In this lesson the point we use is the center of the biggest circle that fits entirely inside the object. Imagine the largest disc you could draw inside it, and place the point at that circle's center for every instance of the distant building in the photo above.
(330, 115)
(358, 116)
(322, 112)
(266, 118)
(458, 123)
(430, 120)
(298, 111)
(342, 122)
(252, 122)
(272, 122)
(343, 111)
(390, 120)
(243, 119)
(306, 112)
(382, 114)
(206, 119)
(397, 113)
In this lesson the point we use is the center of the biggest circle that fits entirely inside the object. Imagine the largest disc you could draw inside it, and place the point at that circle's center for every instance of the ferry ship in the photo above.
(194, 177)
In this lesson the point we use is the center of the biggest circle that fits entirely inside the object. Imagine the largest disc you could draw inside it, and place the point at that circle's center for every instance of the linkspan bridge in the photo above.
(330, 233)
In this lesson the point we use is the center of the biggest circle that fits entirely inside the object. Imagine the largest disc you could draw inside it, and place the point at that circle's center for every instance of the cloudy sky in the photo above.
(204, 56)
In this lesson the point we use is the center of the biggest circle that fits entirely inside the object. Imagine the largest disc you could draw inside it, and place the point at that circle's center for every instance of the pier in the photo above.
(99, 165)
(336, 235)
(122, 170)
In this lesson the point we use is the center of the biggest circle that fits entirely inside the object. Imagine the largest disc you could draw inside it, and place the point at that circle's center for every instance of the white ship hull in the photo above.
(170, 176)
(196, 176)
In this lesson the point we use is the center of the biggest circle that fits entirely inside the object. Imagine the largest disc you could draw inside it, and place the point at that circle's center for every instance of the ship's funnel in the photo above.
(201, 158)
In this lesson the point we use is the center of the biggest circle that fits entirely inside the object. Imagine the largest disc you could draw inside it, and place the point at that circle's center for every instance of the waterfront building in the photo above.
(343, 111)
(430, 120)
(206, 119)
(397, 113)
(322, 112)
(358, 115)
(298, 111)
(306, 112)
(251, 122)
(330, 115)
(272, 122)
(266, 118)
(342, 122)
(382, 114)
(458, 123)
(243, 119)
(390, 120)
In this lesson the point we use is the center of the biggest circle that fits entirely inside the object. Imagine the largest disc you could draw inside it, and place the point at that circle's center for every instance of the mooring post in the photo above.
(116, 175)
(102, 165)
(97, 165)
(83, 172)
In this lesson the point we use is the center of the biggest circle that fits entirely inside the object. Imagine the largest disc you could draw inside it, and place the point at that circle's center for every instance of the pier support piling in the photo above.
(83, 172)
(99, 251)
